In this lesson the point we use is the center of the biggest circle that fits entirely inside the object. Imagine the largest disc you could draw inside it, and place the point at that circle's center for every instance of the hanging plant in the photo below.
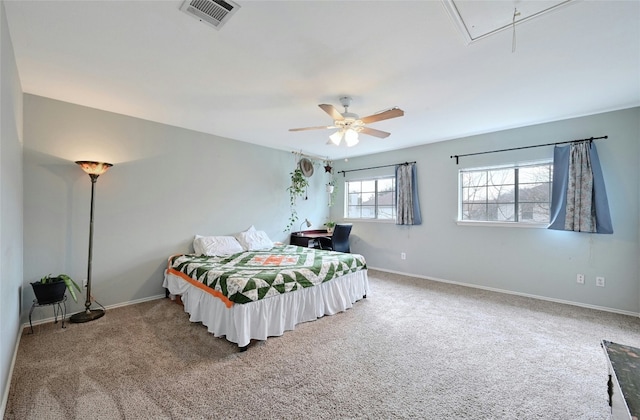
(298, 188)
(332, 190)
(331, 185)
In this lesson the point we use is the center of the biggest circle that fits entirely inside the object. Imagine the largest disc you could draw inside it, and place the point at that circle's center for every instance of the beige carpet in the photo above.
(412, 349)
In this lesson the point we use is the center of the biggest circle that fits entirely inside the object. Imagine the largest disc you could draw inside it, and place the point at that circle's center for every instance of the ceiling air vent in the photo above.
(214, 12)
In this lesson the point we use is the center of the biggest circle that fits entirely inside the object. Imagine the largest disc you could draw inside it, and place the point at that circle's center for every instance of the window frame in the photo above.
(499, 223)
(375, 219)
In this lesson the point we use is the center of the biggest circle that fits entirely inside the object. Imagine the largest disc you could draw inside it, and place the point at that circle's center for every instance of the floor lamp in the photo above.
(94, 169)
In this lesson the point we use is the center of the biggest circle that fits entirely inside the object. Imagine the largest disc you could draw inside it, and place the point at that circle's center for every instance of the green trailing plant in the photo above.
(297, 189)
(68, 281)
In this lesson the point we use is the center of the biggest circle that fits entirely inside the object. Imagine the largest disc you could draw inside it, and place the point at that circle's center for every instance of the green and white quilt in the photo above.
(254, 275)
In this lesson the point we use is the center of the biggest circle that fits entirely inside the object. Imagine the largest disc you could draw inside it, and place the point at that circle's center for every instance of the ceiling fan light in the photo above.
(351, 138)
(352, 142)
(336, 137)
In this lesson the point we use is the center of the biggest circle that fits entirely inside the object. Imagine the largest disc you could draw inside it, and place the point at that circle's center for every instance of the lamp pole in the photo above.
(94, 169)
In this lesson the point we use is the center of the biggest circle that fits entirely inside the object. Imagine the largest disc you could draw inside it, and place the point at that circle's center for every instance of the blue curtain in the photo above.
(408, 206)
(578, 196)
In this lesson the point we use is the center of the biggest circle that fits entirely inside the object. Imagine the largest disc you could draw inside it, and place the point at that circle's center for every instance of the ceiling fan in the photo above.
(350, 124)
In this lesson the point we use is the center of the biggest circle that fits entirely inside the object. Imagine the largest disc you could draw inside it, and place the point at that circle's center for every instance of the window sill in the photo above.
(371, 221)
(503, 224)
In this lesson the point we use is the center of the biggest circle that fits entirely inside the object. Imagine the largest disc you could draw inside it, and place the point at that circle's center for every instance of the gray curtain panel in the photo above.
(578, 196)
(407, 203)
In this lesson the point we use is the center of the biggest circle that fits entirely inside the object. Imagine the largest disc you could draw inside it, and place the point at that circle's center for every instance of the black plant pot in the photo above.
(49, 292)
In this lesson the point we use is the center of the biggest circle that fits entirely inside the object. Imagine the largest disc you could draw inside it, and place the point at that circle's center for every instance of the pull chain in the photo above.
(513, 41)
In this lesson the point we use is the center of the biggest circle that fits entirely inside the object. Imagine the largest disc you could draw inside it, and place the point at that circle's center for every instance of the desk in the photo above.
(624, 381)
(308, 237)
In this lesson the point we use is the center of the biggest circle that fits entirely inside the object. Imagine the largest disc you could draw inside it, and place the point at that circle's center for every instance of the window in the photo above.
(517, 194)
(371, 199)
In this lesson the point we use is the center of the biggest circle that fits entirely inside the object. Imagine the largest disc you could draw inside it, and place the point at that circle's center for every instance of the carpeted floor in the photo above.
(412, 349)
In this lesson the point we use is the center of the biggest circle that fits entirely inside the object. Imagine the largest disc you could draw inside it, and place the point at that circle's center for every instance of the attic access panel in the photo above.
(478, 19)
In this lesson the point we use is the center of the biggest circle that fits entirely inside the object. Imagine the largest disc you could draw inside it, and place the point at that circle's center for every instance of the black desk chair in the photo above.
(339, 241)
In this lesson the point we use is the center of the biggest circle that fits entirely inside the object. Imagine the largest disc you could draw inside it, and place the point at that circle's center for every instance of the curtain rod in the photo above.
(344, 173)
(527, 147)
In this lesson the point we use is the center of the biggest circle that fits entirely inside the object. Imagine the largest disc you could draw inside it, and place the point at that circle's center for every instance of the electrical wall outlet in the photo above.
(580, 278)
(403, 256)
(600, 281)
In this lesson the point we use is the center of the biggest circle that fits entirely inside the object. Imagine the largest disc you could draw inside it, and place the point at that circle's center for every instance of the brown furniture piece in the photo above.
(624, 380)
(308, 238)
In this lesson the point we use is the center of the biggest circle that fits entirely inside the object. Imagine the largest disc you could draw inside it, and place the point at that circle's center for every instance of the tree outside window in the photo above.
(519, 194)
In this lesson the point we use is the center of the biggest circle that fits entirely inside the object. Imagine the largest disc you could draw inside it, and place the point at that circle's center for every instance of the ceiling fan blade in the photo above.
(374, 132)
(321, 127)
(332, 111)
(384, 115)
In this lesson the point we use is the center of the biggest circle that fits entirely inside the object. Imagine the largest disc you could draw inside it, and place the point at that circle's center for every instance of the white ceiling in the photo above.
(267, 69)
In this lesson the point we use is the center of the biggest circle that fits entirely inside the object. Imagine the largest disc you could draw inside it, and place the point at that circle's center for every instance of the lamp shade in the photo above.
(94, 168)
(307, 222)
(336, 138)
(351, 137)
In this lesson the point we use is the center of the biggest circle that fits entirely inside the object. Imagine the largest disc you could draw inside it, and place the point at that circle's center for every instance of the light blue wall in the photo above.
(10, 206)
(535, 262)
(167, 184)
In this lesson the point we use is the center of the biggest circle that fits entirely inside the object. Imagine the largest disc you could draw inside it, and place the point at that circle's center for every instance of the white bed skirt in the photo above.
(272, 316)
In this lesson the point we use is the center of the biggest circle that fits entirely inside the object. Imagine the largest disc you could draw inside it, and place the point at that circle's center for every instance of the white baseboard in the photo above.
(117, 305)
(510, 292)
(5, 394)
(133, 302)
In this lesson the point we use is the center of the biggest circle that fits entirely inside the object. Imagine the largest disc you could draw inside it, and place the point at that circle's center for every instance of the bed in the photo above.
(257, 294)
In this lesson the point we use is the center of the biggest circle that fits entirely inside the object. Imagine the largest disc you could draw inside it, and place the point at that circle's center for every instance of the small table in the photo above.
(624, 380)
(59, 308)
(308, 238)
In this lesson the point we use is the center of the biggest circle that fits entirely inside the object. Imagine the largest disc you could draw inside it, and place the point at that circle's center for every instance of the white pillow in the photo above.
(254, 240)
(216, 245)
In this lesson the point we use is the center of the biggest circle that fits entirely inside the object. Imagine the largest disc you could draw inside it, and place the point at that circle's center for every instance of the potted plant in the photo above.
(331, 186)
(298, 187)
(331, 190)
(51, 289)
(330, 225)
